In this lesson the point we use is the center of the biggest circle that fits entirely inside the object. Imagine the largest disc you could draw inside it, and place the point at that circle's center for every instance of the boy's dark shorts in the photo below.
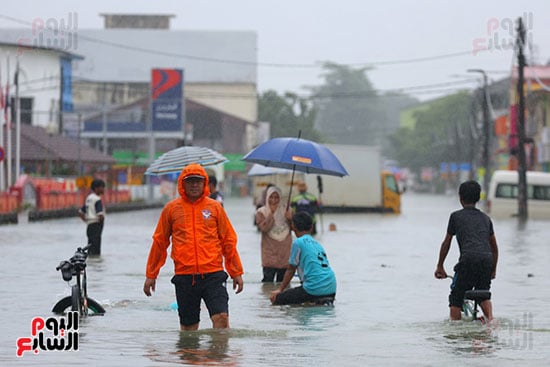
(190, 289)
(298, 295)
(470, 274)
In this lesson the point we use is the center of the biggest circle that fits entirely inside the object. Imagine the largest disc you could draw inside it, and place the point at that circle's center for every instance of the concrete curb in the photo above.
(8, 218)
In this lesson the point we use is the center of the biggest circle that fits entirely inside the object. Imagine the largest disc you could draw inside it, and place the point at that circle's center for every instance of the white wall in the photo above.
(39, 79)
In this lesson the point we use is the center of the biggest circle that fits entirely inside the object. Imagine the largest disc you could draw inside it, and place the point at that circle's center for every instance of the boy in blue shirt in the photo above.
(309, 258)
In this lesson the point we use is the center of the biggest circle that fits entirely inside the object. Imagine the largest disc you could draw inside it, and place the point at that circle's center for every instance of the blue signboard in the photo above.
(167, 99)
(67, 86)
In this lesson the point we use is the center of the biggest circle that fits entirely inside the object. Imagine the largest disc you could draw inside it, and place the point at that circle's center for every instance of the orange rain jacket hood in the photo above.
(200, 232)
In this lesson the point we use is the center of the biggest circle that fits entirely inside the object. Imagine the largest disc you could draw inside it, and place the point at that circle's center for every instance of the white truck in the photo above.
(367, 188)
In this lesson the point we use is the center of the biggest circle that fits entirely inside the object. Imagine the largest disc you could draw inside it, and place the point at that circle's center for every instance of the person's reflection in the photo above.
(471, 341)
(208, 347)
(306, 315)
(313, 317)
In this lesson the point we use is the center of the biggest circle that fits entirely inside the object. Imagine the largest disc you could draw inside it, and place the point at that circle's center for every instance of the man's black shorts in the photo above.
(190, 289)
(470, 274)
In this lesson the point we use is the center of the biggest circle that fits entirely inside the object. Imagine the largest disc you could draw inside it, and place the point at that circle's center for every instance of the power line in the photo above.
(375, 93)
(253, 63)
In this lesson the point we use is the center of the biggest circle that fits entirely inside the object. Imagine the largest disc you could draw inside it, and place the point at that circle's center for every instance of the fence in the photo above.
(52, 200)
(8, 202)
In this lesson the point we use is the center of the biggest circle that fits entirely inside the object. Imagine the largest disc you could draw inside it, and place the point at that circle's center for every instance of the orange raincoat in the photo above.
(202, 236)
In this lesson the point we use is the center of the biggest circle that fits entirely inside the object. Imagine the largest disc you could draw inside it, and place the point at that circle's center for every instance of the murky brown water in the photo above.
(389, 311)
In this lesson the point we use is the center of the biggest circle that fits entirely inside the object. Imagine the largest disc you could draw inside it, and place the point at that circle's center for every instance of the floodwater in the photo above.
(389, 309)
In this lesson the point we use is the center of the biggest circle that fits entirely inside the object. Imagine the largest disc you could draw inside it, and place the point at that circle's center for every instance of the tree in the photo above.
(442, 133)
(349, 109)
(288, 114)
(393, 103)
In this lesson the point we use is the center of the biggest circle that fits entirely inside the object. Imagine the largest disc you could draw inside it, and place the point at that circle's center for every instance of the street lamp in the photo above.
(486, 134)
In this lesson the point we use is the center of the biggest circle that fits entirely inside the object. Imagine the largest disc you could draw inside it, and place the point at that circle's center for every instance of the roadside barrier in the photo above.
(54, 200)
(8, 202)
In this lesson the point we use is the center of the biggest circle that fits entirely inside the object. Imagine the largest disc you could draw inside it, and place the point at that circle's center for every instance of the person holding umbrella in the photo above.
(272, 220)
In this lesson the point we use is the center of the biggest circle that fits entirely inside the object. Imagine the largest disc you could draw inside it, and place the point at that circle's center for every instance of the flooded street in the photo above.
(389, 309)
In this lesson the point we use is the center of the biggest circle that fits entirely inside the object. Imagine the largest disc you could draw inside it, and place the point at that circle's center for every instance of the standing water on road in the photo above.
(389, 309)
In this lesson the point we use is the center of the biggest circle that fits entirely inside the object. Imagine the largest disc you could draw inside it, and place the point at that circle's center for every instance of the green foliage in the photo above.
(288, 114)
(350, 110)
(442, 133)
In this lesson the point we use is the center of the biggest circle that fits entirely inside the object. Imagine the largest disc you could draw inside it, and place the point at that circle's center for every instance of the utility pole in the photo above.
(522, 164)
(79, 168)
(17, 123)
(104, 119)
(60, 126)
(485, 159)
(9, 162)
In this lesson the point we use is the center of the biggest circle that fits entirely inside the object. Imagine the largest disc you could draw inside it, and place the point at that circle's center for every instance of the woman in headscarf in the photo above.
(273, 221)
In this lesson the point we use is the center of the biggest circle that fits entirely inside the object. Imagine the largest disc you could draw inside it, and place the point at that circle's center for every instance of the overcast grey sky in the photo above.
(391, 35)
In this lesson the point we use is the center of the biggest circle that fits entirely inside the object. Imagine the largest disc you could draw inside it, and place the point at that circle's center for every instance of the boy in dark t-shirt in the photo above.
(478, 251)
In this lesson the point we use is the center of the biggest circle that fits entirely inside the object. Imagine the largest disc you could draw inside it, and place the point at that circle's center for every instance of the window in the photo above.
(391, 184)
(507, 191)
(541, 192)
(510, 191)
(26, 109)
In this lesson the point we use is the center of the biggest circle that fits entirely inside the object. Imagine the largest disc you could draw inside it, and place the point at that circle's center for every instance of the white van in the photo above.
(503, 195)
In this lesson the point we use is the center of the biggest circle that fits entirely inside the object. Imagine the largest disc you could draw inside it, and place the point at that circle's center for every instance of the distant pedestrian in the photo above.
(305, 202)
(273, 221)
(93, 213)
(262, 200)
(214, 193)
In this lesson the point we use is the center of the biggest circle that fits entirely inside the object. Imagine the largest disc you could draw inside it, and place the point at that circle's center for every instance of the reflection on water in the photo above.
(502, 334)
(205, 348)
(314, 318)
(464, 337)
(306, 317)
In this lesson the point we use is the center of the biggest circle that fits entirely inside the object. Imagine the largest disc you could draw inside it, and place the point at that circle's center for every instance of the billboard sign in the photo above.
(67, 85)
(167, 99)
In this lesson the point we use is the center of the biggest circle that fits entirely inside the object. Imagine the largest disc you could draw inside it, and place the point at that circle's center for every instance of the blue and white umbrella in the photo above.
(176, 159)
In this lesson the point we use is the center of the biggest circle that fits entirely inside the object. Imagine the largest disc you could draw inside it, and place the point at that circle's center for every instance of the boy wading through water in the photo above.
(93, 214)
(477, 263)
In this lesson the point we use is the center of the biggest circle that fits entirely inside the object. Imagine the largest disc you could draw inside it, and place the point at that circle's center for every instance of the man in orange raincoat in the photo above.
(203, 239)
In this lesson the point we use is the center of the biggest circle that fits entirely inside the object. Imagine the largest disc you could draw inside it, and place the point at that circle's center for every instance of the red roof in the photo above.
(533, 72)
